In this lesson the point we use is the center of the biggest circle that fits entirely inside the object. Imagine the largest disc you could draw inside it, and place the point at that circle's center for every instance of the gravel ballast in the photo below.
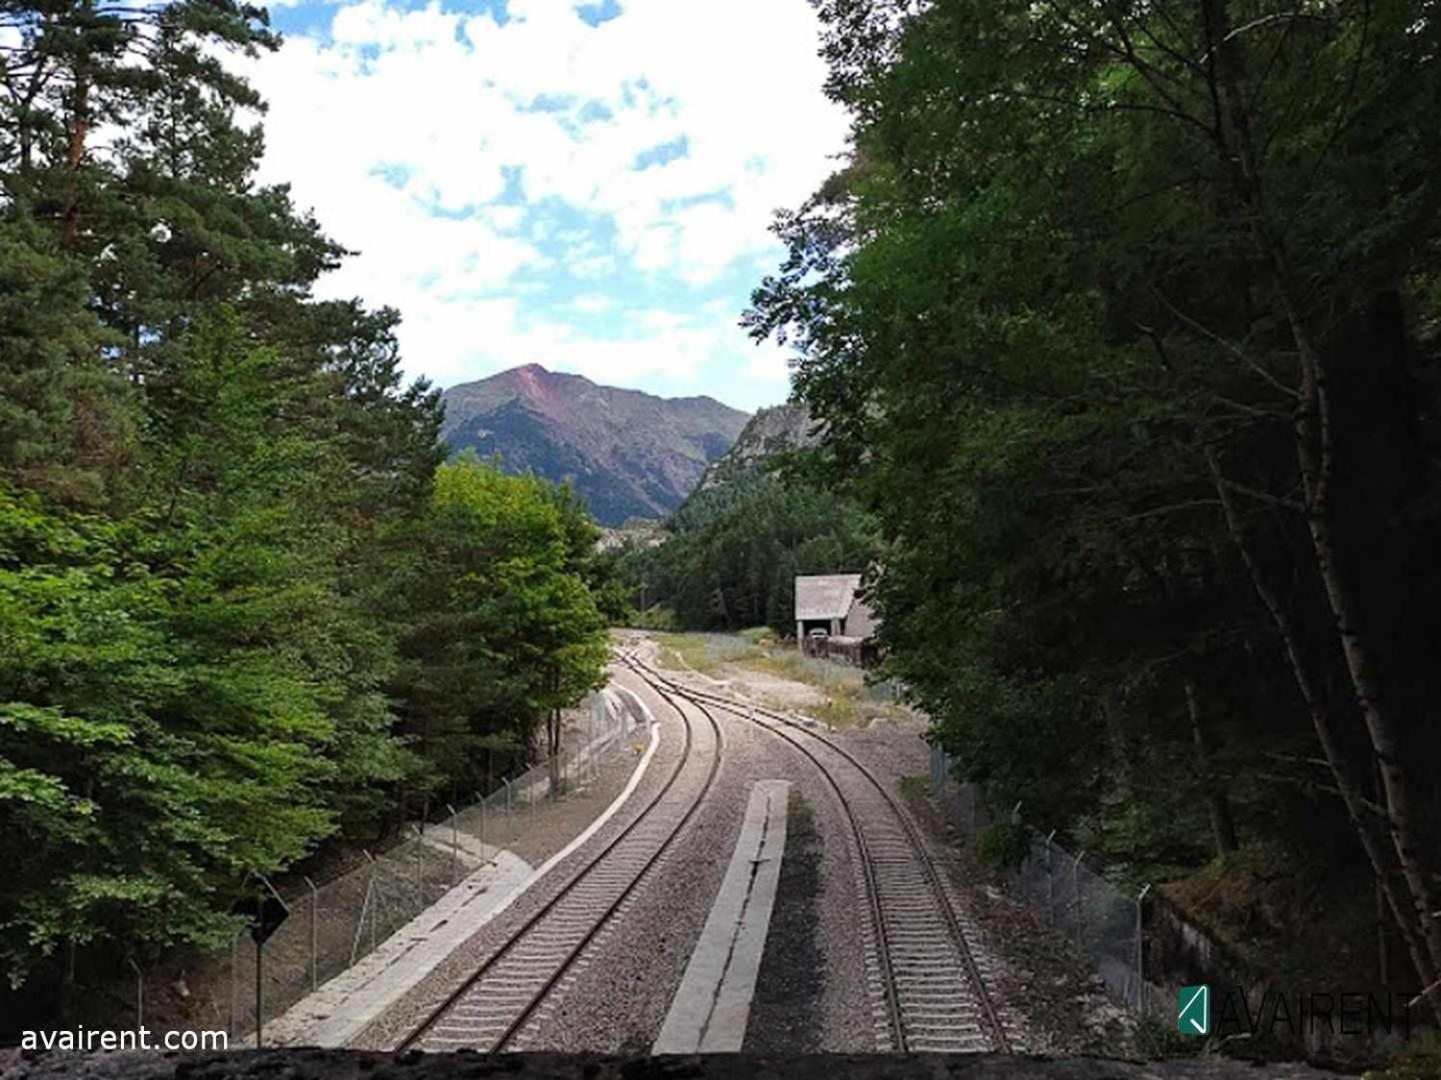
(619, 999)
(387, 1031)
(785, 1013)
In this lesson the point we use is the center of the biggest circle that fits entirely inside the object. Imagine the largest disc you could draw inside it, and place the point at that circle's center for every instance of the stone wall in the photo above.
(354, 1065)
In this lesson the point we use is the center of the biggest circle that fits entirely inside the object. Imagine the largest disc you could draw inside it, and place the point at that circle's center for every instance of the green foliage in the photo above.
(237, 607)
(732, 551)
(63, 424)
(1050, 315)
(1420, 1059)
(500, 626)
(1004, 845)
(657, 617)
(1157, 1039)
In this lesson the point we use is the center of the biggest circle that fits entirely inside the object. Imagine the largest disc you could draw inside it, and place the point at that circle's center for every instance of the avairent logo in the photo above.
(1193, 1010)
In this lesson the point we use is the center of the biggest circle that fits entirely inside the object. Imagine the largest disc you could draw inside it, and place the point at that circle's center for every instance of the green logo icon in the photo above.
(1193, 1010)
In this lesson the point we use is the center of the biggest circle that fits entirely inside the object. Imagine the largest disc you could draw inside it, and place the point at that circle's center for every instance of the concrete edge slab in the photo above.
(611, 810)
(346, 1005)
(712, 1005)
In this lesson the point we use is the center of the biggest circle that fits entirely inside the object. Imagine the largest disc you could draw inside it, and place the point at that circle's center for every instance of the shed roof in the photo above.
(825, 596)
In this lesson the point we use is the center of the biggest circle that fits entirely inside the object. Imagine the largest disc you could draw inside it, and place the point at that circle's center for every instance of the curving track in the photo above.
(492, 1009)
(930, 991)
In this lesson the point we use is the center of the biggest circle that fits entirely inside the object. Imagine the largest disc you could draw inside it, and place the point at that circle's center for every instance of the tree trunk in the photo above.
(1223, 825)
(1315, 451)
(75, 155)
(1350, 797)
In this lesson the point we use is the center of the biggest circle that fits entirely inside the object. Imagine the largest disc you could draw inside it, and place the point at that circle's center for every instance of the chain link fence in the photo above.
(1105, 924)
(332, 927)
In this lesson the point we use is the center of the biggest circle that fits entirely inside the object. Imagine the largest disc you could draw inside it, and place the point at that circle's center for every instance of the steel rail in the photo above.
(999, 1039)
(438, 1013)
(656, 680)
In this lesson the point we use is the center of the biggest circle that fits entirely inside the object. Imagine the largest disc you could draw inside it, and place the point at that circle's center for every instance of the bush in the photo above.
(657, 617)
(1004, 845)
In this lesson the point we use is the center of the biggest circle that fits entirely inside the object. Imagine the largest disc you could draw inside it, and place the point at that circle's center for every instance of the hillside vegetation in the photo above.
(243, 607)
(728, 557)
(1121, 321)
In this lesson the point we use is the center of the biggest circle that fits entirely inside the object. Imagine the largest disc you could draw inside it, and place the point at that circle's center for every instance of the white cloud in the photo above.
(468, 338)
(403, 112)
(593, 304)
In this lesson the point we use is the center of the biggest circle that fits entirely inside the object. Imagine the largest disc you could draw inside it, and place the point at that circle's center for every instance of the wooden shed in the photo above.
(829, 602)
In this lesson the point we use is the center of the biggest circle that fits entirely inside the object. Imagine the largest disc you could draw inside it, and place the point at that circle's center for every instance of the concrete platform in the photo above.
(338, 1011)
(710, 1010)
(343, 1007)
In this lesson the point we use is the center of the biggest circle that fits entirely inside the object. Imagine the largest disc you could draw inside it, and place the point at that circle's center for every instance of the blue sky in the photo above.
(530, 181)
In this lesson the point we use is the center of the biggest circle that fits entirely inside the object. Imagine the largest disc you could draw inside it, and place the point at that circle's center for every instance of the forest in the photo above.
(727, 558)
(1122, 321)
(246, 608)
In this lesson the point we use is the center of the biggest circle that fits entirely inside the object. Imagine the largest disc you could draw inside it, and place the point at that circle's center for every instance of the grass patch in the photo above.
(706, 653)
(839, 712)
(850, 700)
(915, 786)
(1419, 1061)
(791, 663)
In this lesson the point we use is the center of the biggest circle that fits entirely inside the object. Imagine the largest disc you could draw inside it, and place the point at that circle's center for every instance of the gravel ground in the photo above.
(620, 999)
(557, 824)
(785, 1012)
(811, 992)
(398, 1021)
(842, 1014)
(772, 690)
(891, 749)
(1067, 1010)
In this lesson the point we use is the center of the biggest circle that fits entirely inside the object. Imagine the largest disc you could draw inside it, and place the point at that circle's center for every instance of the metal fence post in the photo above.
(234, 984)
(259, 992)
(419, 870)
(1076, 877)
(506, 782)
(314, 934)
(1140, 950)
(454, 841)
(481, 799)
(1050, 881)
(139, 993)
(364, 909)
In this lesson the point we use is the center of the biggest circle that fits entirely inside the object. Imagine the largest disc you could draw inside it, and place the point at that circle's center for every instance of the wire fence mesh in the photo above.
(333, 926)
(1105, 923)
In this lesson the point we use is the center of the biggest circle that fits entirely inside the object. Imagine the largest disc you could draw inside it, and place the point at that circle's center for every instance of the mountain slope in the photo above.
(770, 431)
(629, 453)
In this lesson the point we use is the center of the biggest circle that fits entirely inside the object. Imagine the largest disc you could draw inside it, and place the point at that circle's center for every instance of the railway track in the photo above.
(929, 989)
(492, 1010)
